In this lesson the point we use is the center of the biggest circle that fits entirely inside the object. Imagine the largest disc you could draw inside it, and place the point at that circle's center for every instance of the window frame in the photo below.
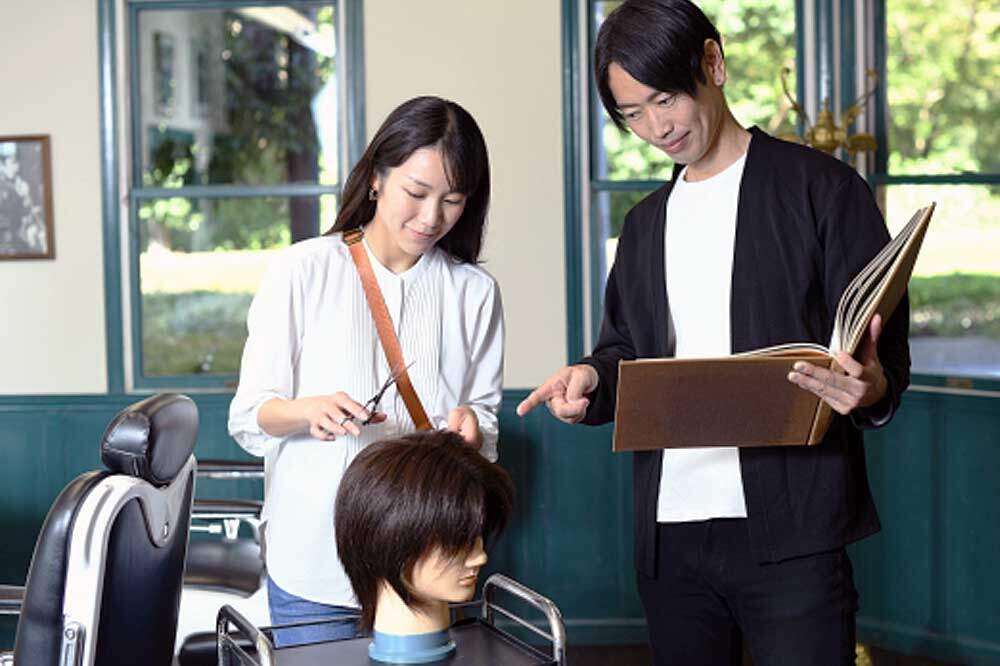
(879, 178)
(120, 164)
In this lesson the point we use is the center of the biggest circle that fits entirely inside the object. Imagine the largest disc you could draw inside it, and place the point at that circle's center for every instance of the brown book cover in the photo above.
(746, 399)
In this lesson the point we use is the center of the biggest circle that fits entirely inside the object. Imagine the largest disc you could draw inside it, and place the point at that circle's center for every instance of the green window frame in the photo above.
(122, 170)
(882, 177)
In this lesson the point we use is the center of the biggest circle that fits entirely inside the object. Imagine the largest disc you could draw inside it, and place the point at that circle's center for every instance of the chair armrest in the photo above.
(231, 469)
(11, 599)
(226, 508)
(230, 646)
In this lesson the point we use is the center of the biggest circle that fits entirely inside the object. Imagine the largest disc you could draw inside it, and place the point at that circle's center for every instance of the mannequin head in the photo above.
(411, 518)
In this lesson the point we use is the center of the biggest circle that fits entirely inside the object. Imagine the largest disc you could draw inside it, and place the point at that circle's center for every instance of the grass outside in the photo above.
(955, 305)
(193, 333)
(203, 332)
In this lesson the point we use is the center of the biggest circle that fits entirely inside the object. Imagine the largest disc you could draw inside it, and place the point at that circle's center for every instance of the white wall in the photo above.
(52, 311)
(502, 62)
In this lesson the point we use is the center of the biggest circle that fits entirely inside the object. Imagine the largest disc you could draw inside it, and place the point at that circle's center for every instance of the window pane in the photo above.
(609, 214)
(758, 40)
(955, 290)
(943, 86)
(242, 96)
(758, 37)
(199, 265)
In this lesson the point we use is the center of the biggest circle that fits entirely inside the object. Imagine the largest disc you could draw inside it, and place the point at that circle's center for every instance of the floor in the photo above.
(638, 655)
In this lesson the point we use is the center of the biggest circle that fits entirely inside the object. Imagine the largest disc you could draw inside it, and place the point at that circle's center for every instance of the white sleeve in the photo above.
(484, 379)
(274, 325)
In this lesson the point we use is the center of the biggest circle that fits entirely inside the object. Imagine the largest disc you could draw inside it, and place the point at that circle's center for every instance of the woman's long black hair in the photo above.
(425, 122)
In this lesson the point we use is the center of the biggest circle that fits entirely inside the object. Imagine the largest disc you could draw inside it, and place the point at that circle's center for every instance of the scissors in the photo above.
(372, 405)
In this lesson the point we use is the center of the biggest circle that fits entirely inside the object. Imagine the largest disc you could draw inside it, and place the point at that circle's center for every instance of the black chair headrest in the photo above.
(152, 439)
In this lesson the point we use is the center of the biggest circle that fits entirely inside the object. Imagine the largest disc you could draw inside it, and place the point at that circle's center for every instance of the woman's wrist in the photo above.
(279, 417)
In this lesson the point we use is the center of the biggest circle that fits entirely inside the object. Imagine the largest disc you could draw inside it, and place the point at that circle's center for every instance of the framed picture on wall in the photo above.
(26, 198)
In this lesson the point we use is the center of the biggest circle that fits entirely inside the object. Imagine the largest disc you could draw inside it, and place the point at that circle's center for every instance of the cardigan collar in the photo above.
(663, 325)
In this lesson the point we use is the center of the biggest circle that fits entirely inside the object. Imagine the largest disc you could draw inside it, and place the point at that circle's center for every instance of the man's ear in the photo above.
(713, 64)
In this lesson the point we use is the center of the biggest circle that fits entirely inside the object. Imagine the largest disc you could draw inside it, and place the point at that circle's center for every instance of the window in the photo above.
(940, 143)
(241, 119)
(759, 38)
(227, 130)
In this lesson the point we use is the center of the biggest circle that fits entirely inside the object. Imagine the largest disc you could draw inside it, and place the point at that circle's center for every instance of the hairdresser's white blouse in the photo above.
(311, 333)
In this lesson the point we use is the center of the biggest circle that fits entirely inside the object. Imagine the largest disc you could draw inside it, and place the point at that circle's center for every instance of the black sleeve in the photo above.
(614, 342)
(853, 232)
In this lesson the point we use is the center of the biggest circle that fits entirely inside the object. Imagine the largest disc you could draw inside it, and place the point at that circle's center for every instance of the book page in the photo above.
(859, 286)
(880, 285)
(790, 349)
(889, 289)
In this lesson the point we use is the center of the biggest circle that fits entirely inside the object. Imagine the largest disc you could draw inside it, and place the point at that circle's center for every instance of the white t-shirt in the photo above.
(698, 484)
(311, 333)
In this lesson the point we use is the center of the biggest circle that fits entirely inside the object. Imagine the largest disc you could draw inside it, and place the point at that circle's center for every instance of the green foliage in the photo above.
(955, 305)
(249, 224)
(944, 86)
(758, 38)
(631, 158)
(170, 222)
(270, 83)
(620, 202)
(193, 333)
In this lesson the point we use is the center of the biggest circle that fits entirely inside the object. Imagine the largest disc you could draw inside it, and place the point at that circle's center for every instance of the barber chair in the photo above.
(228, 570)
(230, 564)
(479, 639)
(105, 578)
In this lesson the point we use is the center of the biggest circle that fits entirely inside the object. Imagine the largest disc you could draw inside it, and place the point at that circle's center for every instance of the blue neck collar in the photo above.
(413, 649)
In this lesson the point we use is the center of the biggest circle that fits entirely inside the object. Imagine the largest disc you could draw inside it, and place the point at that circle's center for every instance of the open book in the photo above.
(746, 399)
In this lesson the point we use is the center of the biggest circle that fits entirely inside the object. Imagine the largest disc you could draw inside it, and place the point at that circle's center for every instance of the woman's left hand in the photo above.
(463, 420)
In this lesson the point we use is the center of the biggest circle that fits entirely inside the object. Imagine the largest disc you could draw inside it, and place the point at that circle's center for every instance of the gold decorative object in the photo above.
(826, 134)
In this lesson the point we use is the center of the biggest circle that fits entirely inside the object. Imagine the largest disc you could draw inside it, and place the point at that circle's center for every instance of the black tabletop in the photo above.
(476, 643)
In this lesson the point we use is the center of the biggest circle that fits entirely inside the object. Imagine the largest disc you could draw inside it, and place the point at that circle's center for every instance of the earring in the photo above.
(372, 194)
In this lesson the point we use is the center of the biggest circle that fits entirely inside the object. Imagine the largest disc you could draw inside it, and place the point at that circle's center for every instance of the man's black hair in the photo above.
(658, 42)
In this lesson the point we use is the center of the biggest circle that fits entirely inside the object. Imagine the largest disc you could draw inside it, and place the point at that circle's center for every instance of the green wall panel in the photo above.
(901, 474)
(570, 538)
(929, 581)
(571, 535)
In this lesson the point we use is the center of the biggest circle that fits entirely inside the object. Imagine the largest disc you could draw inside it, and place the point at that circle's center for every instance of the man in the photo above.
(750, 245)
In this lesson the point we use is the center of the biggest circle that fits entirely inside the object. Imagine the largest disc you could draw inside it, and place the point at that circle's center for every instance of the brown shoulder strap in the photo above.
(386, 334)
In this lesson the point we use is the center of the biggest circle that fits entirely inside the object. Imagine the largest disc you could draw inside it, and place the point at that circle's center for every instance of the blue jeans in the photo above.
(286, 608)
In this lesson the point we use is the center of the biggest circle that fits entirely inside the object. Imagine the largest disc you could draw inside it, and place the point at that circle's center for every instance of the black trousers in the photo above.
(710, 595)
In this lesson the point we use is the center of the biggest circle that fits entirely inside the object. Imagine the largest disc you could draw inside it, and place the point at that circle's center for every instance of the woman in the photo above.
(420, 195)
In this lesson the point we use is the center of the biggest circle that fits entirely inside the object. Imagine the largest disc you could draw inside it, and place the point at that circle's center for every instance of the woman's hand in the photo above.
(463, 420)
(325, 417)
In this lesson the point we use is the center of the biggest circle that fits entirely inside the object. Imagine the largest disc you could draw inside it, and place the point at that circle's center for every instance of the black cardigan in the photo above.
(806, 224)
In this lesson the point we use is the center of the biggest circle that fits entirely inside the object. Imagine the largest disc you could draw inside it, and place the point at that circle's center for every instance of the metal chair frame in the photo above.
(488, 608)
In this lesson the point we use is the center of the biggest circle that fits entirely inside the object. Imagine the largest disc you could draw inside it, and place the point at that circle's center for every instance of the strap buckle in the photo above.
(353, 237)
